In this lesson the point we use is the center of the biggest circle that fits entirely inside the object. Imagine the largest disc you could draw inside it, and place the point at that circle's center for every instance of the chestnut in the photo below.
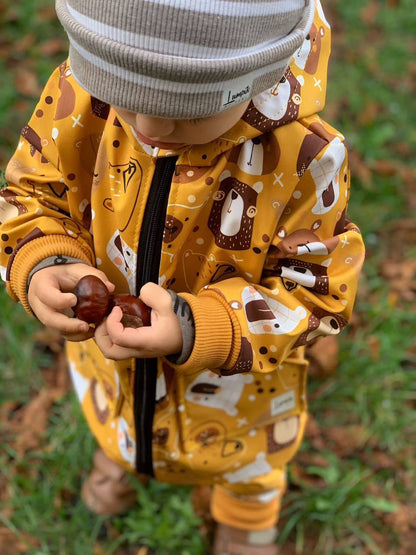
(94, 303)
(93, 300)
(135, 312)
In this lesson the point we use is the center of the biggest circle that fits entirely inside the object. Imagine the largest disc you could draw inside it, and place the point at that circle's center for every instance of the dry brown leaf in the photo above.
(53, 46)
(56, 374)
(369, 12)
(359, 168)
(24, 43)
(11, 543)
(347, 440)
(33, 421)
(403, 520)
(26, 82)
(323, 356)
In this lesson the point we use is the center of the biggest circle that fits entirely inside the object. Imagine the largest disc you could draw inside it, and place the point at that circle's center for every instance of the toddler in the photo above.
(178, 155)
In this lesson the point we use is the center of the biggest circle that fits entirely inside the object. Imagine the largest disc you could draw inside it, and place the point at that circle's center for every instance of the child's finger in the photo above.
(61, 322)
(57, 300)
(134, 338)
(156, 297)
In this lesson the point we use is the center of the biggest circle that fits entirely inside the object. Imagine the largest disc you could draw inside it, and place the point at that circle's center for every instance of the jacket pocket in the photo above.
(215, 408)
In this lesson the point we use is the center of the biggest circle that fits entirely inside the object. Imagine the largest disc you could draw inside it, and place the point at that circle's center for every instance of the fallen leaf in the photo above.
(323, 356)
(369, 13)
(12, 543)
(53, 46)
(32, 421)
(347, 440)
(27, 83)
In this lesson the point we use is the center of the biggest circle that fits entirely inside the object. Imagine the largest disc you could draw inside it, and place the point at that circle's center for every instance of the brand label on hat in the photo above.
(235, 92)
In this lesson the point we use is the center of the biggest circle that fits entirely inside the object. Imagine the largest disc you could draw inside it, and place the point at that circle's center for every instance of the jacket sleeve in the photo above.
(307, 287)
(38, 219)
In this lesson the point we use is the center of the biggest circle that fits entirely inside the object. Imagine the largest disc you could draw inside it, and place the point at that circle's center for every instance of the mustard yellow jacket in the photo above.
(250, 229)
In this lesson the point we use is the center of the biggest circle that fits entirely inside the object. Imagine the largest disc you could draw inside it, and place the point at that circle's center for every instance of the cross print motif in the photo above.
(77, 121)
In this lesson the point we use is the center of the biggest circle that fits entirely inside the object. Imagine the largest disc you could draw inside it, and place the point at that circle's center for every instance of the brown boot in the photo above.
(107, 491)
(232, 541)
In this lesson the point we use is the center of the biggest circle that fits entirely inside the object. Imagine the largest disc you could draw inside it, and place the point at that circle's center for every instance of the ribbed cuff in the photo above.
(215, 343)
(37, 250)
(186, 321)
(242, 513)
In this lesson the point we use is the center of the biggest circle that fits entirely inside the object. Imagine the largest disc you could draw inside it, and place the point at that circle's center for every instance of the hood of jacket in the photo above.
(300, 93)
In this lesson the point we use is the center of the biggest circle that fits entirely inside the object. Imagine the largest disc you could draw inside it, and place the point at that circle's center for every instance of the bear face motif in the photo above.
(296, 272)
(258, 467)
(321, 323)
(325, 173)
(173, 227)
(217, 392)
(266, 315)
(10, 207)
(307, 56)
(232, 216)
(311, 145)
(200, 269)
(276, 106)
(258, 156)
(282, 434)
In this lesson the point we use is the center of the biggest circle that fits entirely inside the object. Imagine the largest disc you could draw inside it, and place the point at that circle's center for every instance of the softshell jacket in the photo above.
(250, 229)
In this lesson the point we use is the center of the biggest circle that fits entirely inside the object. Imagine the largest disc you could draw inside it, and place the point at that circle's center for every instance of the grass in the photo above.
(355, 476)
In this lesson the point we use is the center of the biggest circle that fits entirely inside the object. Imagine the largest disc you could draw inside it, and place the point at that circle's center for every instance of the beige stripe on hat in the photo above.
(182, 58)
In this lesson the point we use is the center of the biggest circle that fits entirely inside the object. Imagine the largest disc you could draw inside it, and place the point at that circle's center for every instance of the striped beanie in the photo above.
(181, 58)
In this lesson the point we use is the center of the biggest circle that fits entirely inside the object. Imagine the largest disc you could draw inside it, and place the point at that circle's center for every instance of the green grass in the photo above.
(344, 490)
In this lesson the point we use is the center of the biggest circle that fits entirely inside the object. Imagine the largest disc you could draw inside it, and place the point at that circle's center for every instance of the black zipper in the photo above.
(148, 263)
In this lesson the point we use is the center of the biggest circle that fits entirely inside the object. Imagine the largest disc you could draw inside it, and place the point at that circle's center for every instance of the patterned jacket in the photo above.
(250, 229)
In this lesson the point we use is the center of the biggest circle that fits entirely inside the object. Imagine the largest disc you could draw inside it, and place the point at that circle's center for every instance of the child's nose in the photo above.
(154, 128)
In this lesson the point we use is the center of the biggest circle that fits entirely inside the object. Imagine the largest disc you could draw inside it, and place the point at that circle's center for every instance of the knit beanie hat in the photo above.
(181, 58)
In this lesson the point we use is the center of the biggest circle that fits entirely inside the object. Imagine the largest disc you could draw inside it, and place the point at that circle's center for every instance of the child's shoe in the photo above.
(107, 491)
(232, 541)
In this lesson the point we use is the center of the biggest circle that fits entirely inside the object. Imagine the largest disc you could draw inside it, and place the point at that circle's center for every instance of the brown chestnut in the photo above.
(93, 299)
(94, 303)
(135, 312)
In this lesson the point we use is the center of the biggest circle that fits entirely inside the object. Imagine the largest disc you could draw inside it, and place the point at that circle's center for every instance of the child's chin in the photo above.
(158, 144)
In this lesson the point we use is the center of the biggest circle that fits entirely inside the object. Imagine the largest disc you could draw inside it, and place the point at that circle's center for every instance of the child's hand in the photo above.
(162, 337)
(51, 298)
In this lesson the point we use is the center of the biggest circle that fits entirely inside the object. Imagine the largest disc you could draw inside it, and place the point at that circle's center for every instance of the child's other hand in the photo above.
(162, 337)
(51, 298)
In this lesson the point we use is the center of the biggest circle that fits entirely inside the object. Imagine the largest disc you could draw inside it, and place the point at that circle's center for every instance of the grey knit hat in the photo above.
(181, 58)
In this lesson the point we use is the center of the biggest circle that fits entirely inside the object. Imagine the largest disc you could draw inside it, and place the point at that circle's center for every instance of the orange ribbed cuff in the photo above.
(37, 250)
(243, 514)
(215, 338)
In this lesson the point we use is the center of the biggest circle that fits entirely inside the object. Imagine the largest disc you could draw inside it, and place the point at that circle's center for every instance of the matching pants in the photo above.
(235, 433)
